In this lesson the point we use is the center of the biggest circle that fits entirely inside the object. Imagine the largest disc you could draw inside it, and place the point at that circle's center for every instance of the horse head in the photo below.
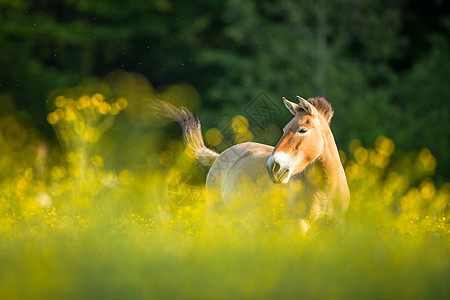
(302, 141)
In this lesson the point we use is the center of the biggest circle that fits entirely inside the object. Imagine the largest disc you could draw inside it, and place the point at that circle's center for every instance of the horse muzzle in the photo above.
(277, 172)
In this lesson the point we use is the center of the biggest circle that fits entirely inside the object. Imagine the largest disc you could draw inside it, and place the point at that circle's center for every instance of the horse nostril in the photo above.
(275, 167)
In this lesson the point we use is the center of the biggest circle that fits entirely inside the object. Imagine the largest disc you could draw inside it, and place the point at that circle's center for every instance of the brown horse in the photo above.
(244, 176)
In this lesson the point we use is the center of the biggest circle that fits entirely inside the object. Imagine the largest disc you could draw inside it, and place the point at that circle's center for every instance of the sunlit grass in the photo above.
(74, 226)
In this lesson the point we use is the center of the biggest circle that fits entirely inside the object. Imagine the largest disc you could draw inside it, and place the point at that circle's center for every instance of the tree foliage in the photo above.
(383, 65)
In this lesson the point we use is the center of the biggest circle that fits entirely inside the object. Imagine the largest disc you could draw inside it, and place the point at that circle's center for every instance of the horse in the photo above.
(304, 167)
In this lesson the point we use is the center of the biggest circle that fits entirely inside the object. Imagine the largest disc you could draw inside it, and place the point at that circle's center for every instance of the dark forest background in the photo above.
(384, 65)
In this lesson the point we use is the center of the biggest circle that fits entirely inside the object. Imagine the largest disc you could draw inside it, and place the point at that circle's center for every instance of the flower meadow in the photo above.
(105, 211)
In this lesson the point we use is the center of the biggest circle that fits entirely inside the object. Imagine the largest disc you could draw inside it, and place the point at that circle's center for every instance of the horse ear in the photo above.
(293, 107)
(308, 107)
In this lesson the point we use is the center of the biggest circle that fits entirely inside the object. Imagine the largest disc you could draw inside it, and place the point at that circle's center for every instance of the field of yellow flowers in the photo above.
(91, 216)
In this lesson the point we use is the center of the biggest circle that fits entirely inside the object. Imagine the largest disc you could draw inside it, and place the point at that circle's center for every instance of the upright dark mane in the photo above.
(323, 107)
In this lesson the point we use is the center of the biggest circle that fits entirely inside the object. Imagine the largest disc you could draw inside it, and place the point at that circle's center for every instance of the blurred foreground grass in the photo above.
(76, 225)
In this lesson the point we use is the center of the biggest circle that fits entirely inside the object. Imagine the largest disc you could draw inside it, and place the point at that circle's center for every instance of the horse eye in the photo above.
(302, 130)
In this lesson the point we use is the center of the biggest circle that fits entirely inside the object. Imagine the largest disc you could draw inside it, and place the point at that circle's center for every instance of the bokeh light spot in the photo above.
(246, 136)
(84, 101)
(384, 145)
(361, 155)
(97, 99)
(60, 101)
(354, 144)
(44, 200)
(239, 124)
(272, 133)
(91, 134)
(104, 108)
(122, 103)
(427, 159)
(427, 189)
(52, 118)
(213, 137)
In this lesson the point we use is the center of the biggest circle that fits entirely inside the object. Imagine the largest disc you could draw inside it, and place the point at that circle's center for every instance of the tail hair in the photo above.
(192, 134)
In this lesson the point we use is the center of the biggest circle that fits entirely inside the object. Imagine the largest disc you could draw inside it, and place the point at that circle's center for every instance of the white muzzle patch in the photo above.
(284, 160)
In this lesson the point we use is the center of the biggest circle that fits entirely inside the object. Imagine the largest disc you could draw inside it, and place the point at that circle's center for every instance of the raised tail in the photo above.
(192, 134)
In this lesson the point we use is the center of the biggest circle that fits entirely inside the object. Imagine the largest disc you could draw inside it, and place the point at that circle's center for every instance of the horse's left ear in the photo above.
(308, 107)
(293, 107)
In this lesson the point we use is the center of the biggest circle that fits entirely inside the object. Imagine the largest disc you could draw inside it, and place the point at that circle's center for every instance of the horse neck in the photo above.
(331, 163)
